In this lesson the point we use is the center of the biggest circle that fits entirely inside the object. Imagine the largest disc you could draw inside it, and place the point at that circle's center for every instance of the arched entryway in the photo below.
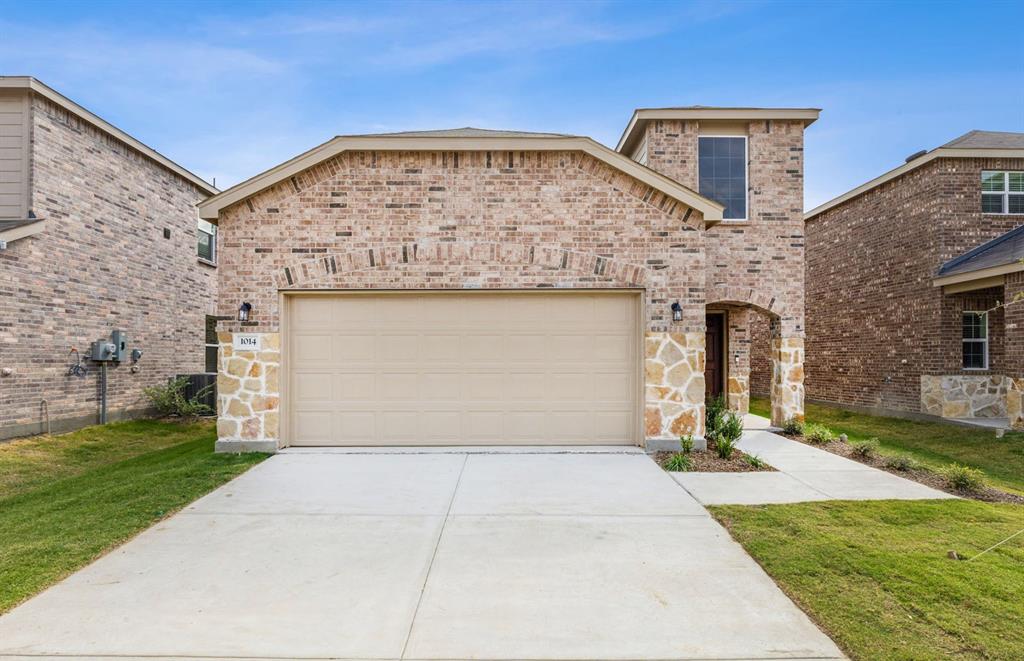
(748, 354)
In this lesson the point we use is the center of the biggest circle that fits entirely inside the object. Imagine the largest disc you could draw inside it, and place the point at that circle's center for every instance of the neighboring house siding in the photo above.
(875, 322)
(102, 264)
(14, 149)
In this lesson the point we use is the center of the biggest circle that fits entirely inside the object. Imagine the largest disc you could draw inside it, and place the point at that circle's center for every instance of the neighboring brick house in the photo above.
(99, 233)
(497, 287)
(896, 281)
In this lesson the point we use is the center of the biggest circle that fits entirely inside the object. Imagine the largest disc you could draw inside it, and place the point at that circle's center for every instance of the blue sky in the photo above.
(229, 89)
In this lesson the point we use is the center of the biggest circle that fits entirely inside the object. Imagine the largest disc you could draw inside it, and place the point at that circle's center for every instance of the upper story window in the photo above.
(207, 241)
(975, 340)
(1002, 191)
(722, 172)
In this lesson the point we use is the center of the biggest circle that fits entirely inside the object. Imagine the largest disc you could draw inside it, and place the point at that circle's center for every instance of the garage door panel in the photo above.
(355, 386)
(398, 348)
(313, 348)
(354, 347)
(463, 368)
(312, 386)
(440, 348)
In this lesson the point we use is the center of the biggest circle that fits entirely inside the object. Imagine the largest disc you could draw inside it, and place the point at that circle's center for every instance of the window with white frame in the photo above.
(975, 341)
(1002, 191)
(207, 241)
(722, 172)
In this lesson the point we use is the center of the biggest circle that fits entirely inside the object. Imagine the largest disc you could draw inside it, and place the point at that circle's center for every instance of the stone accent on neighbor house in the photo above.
(248, 395)
(674, 388)
(968, 396)
(1015, 402)
(787, 388)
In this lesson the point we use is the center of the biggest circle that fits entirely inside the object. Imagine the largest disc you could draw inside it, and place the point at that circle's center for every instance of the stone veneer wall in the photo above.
(966, 396)
(674, 393)
(787, 379)
(248, 395)
(102, 263)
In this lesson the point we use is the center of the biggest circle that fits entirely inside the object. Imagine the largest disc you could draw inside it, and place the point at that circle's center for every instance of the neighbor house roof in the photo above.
(641, 116)
(462, 139)
(29, 83)
(994, 259)
(18, 228)
(973, 144)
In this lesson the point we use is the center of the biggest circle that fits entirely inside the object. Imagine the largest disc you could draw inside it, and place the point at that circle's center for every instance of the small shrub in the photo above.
(728, 434)
(679, 462)
(865, 449)
(793, 427)
(169, 399)
(714, 414)
(963, 478)
(755, 461)
(819, 434)
(686, 443)
(901, 463)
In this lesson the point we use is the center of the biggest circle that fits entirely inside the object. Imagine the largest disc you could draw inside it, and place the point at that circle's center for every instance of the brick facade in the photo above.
(754, 268)
(876, 326)
(101, 264)
(523, 220)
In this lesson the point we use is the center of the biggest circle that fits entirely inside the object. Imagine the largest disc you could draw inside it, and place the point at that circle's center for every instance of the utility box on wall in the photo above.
(115, 349)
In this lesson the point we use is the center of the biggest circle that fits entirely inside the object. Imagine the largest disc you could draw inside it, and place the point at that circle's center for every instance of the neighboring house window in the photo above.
(975, 340)
(722, 172)
(211, 344)
(1002, 191)
(207, 241)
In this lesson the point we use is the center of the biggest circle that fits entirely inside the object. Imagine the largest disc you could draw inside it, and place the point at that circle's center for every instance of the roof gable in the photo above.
(466, 139)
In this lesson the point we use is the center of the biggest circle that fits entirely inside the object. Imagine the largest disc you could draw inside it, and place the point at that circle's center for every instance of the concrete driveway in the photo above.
(439, 555)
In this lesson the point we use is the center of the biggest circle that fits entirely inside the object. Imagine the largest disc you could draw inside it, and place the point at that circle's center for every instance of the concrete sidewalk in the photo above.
(803, 474)
(441, 555)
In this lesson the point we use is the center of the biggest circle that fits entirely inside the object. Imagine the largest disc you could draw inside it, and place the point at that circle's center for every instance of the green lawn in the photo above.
(65, 500)
(935, 444)
(875, 575)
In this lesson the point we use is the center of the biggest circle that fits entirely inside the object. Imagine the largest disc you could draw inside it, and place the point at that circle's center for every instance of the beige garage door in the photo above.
(463, 368)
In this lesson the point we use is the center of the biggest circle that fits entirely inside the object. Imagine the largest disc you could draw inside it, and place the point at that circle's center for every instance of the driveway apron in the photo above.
(445, 554)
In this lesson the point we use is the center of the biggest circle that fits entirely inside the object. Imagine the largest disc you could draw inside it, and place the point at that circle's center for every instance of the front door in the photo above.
(714, 368)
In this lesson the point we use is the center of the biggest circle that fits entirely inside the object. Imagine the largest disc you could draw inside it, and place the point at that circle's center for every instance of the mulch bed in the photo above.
(708, 462)
(926, 477)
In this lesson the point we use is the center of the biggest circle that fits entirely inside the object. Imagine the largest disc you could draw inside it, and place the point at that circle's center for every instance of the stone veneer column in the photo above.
(787, 379)
(1015, 402)
(248, 395)
(674, 388)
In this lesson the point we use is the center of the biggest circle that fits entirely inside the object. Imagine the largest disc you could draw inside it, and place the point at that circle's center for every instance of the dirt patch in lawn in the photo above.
(709, 462)
(923, 476)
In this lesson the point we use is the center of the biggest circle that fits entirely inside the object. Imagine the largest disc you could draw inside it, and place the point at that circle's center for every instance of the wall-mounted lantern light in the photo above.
(243, 311)
(677, 312)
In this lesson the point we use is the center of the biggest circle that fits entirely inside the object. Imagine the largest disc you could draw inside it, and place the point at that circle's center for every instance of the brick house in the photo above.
(497, 287)
(97, 233)
(904, 276)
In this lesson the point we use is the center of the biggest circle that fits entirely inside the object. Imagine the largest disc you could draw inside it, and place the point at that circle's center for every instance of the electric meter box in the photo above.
(120, 340)
(102, 351)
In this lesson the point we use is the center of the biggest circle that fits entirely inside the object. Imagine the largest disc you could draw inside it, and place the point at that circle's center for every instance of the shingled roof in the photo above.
(1005, 250)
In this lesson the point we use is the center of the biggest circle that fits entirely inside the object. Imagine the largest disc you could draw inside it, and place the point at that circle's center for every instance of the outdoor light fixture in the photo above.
(677, 312)
(243, 311)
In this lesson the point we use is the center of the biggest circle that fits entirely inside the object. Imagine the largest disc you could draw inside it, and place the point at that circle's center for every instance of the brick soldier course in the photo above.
(880, 334)
(90, 256)
(472, 209)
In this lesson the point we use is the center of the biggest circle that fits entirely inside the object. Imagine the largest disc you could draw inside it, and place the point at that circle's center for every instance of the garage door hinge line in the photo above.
(430, 566)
